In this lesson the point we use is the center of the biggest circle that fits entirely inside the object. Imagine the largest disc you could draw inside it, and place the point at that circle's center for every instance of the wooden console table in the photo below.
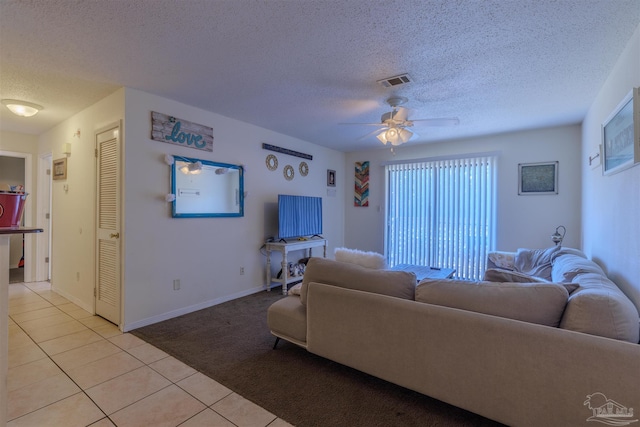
(5, 233)
(285, 248)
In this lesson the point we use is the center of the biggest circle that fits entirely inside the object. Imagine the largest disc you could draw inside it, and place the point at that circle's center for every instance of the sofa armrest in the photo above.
(510, 371)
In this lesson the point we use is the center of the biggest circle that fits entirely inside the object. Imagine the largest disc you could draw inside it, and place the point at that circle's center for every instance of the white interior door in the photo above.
(108, 281)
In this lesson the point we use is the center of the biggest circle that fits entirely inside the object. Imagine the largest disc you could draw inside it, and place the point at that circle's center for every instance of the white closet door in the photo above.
(108, 282)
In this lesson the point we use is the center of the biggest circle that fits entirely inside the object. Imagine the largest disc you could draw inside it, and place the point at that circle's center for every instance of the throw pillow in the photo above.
(502, 260)
(541, 303)
(567, 267)
(502, 276)
(365, 259)
(295, 289)
(536, 262)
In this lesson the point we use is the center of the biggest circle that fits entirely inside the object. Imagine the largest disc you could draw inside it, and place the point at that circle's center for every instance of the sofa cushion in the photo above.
(365, 259)
(567, 267)
(536, 262)
(541, 303)
(600, 308)
(400, 284)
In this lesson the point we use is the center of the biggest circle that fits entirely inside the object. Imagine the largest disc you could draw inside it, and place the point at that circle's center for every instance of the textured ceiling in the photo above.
(303, 67)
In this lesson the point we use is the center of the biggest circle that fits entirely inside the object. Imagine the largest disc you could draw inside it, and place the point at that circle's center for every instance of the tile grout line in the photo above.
(125, 350)
(59, 367)
(84, 391)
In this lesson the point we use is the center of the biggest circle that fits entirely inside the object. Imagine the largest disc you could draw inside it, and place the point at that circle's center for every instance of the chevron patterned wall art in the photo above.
(362, 184)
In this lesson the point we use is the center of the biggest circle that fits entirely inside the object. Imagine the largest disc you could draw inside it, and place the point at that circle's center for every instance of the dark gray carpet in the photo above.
(231, 343)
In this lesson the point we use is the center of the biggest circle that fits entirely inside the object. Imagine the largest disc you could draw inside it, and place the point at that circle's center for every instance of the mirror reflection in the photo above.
(203, 188)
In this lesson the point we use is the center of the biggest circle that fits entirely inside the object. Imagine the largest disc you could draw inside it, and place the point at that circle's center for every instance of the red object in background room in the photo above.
(11, 208)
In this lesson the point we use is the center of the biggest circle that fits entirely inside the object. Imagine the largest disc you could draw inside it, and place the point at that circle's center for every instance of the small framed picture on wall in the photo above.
(537, 178)
(331, 178)
(60, 168)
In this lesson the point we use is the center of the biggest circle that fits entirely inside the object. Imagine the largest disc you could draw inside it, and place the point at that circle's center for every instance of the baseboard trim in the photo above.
(71, 298)
(190, 309)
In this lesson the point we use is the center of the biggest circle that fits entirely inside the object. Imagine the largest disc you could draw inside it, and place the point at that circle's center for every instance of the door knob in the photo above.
(115, 235)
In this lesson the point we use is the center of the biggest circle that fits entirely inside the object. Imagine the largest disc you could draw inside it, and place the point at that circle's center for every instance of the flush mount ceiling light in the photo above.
(22, 108)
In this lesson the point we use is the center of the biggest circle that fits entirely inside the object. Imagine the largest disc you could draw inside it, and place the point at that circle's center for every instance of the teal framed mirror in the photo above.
(203, 188)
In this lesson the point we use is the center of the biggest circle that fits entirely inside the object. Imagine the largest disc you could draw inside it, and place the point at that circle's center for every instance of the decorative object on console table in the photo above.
(538, 178)
(285, 248)
(176, 131)
(361, 197)
(621, 135)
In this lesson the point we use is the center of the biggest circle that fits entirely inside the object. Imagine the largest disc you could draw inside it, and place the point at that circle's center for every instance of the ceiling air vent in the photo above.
(402, 79)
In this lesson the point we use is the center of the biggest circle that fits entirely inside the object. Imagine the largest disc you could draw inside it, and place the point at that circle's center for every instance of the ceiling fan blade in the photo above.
(362, 124)
(372, 133)
(401, 114)
(446, 121)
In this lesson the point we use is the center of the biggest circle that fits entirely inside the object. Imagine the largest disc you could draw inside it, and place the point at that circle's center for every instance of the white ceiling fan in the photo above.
(395, 123)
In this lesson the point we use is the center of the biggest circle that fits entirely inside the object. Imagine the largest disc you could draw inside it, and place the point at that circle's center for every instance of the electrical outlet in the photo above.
(176, 284)
(241, 271)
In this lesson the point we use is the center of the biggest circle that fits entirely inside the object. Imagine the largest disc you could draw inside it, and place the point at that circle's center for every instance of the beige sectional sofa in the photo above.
(533, 357)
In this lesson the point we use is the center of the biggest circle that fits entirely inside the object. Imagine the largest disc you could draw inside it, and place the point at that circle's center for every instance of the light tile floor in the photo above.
(70, 368)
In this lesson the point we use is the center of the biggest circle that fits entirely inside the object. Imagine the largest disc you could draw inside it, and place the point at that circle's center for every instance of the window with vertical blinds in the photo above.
(441, 213)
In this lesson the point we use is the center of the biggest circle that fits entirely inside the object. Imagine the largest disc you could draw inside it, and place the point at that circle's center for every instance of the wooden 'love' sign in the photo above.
(176, 131)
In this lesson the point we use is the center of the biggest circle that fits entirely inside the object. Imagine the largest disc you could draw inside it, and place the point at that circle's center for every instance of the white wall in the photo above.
(73, 211)
(611, 204)
(206, 254)
(523, 221)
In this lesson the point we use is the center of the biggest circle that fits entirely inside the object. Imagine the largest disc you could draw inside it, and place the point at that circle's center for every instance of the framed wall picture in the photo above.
(537, 178)
(621, 135)
(331, 178)
(60, 168)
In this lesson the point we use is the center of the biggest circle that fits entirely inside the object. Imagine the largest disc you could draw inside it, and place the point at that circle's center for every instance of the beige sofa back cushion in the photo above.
(541, 303)
(400, 284)
(598, 307)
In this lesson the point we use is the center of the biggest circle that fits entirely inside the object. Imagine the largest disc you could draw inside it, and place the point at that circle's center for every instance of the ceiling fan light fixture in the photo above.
(395, 136)
(405, 135)
(22, 108)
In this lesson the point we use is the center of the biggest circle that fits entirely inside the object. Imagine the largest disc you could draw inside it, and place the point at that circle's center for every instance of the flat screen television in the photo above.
(299, 216)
